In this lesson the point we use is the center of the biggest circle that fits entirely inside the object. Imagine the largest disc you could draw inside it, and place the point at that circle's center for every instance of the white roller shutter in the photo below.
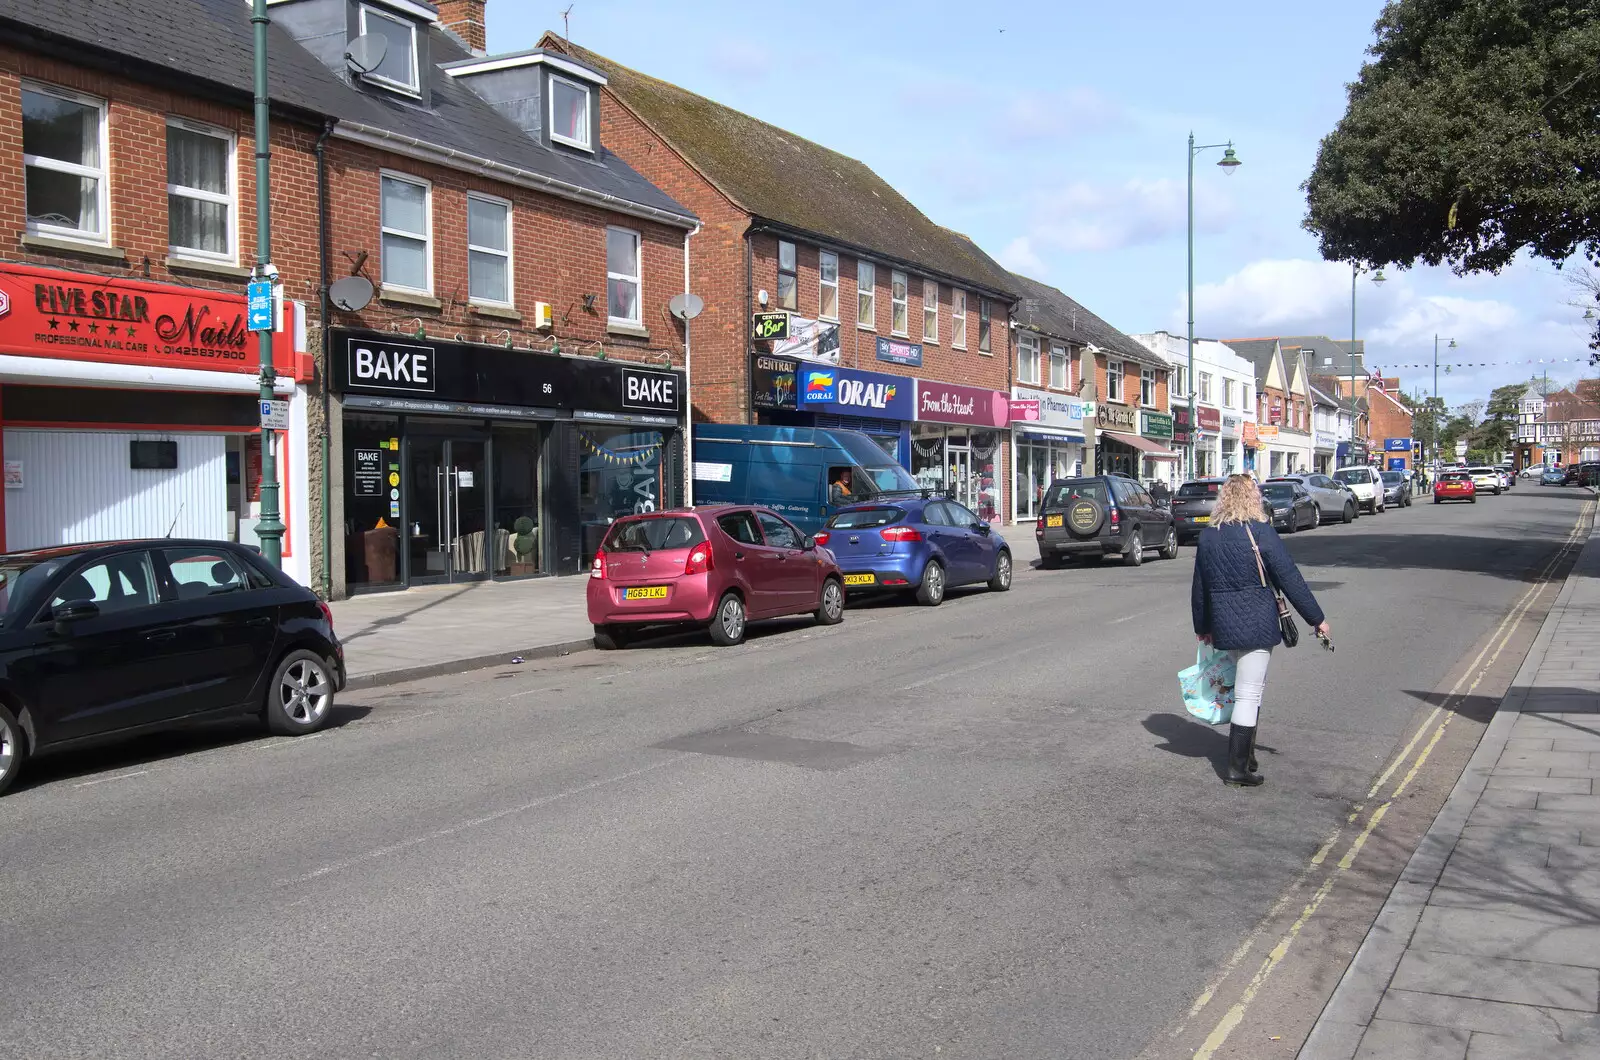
(78, 486)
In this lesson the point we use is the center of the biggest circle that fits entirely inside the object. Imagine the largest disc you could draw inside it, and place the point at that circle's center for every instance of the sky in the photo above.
(1054, 134)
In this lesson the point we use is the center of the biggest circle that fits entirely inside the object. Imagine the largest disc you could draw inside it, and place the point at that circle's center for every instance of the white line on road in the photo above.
(107, 780)
(1129, 618)
(968, 669)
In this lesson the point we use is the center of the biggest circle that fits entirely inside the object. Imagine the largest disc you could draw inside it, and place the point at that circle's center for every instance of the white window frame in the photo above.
(985, 316)
(1028, 360)
(586, 144)
(1227, 392)
(508, 253)
(637, 278)
(1203, 392)
(1147, 376)
(55, 165)
(1060, 355)
(958, 321)
(823, 257)
(1244, 395)
(793, 273)
(930, 311)
(866, 297)
(1114, 381)
(900, 305)
(427, 224)
(416, 58)
(231, 200)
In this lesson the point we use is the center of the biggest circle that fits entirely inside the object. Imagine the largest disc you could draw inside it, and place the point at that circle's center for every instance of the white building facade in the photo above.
(1225, 399)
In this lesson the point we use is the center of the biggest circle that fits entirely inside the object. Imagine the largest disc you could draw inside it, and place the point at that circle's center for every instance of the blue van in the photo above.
(790, 469)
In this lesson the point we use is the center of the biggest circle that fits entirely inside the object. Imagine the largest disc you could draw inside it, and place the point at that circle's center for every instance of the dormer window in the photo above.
(399, 67)
(569, 113)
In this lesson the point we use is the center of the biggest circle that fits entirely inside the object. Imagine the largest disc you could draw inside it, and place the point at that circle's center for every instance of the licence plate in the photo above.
(861, 579)
(1052, 520)
(1202, 518)
(647, 592)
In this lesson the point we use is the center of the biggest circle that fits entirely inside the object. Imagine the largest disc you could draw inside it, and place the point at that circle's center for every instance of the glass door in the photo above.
(447, 540)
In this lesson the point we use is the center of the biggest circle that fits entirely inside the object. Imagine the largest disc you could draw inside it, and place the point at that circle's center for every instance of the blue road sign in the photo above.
(259, 294)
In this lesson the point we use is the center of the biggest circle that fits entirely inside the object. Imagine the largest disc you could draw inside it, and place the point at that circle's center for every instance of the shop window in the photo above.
(488, 250)
(64, 158)
(866, 296)
(828, 285)
(518, 509)
(1060, 365)
(371, 518)
(958, 319)
(899, 308)
(407, 233)
(200, 191)
(399, 67)
(930, 311)
(984, 308)
(623, 472)
(622, 275)
(788, 280)
(569, 113)
(1113, 380)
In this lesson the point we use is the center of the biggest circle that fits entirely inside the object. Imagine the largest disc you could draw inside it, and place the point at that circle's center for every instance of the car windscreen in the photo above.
(1353, 475)
(891, 478)
(21, 578)
(1454, 476)
(653, 533)
(1065, 493)
(1278, 491)
(866, 518)
(1193, 491)
(1393, 478)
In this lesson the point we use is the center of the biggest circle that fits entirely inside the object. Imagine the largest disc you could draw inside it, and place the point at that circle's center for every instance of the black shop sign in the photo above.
(393, 367)
(368, 477)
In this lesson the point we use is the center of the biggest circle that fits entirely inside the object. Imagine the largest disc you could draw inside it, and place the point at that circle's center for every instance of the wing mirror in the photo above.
(70, 612)
(808, 543)
(981, 527)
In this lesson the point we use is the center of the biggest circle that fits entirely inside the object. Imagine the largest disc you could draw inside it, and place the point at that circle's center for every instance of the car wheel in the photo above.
(830, 608)
(1316, 518)
(610, 638)
(300, 697)
(1436, 500)
(1135, 553)
(11, 748)
(728, 624)
(930, 592)
(1170, 549)
(1349, 511)
(1002, 573)
(1293, 524)
(1474, 500)
(1497, 491)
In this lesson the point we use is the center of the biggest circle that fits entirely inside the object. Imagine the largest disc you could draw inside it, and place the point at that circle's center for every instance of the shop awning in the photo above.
(1020, 427)
(1144, 445)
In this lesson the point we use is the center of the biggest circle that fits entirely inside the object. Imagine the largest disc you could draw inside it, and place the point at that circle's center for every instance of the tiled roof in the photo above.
(1048, 310)
(786, 179)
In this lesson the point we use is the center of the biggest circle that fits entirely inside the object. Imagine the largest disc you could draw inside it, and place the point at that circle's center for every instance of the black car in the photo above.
(1102, 515)
(102, 641)
(1396, 488)
(1191, 507)
(1291, 507)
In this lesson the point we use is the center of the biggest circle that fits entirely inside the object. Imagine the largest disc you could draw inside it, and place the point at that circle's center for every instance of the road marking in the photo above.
(1129, 618)
(289, 741)
(1477, 670)
(958, 671)
(107, 780)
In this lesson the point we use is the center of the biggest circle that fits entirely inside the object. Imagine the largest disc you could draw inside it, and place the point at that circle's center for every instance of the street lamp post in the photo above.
(1229, 163)
(269, 528)
(1379, 279)
(1435, 438)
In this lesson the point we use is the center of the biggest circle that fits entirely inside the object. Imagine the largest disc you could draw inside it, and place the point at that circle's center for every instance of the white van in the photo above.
(1365, 484)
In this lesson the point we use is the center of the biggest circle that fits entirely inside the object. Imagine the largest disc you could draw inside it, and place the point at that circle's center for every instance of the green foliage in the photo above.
(1478, 457)
(522, 543)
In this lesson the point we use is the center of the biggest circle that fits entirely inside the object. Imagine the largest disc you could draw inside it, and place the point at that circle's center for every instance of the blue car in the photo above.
(1553, 476)
(916, 545)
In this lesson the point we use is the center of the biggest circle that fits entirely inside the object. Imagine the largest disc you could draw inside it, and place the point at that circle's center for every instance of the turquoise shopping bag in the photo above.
(1207, 686)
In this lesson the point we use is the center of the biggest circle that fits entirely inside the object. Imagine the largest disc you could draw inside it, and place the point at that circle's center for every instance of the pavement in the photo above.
(1488, 947)
(980, 830)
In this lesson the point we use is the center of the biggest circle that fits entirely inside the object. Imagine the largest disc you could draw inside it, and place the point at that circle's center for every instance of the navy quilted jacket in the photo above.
(1228, 599)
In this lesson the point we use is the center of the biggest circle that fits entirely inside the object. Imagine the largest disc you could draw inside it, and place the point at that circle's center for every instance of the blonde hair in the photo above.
(1239, 501)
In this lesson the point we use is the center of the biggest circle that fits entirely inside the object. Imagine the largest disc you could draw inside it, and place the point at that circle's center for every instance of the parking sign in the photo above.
(259, 295)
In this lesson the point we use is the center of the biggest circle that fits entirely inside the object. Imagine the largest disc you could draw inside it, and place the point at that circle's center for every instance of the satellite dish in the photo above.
(686, 306)
(351, 294)
(366, 52)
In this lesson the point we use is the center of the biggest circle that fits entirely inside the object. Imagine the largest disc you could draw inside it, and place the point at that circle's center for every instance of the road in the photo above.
(981, 830)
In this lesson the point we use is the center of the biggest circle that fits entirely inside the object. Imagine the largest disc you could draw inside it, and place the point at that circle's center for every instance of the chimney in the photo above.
(464, 18)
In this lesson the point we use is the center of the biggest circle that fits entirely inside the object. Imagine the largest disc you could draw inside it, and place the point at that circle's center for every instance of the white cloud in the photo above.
(1019, 256)
(1033, 117)
(1086, 217)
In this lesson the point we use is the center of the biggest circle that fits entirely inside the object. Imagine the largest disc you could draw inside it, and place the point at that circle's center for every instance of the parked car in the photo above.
(104, 641)
(1396, 488)
(1553, 476)
(1334, 499)
(917, 546)
(1589, 473)
(1485, 478)
(1192, 505)
(1569, 475)
(1291, 507)
(717, 567)
(1454, 486)
(1102, 515)
(1508, 476)
(1364, 485)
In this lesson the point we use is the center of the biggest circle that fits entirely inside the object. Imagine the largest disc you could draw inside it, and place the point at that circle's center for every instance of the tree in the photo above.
(1455, 429)
(1468, 137)
(1427, 417)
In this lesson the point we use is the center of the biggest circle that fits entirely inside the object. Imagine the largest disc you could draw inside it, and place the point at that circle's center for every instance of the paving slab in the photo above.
(1412, 1041)
(1496, 979)
(1469, 1014)
(1508, 935)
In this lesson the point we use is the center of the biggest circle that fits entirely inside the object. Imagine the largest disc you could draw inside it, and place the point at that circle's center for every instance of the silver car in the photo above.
(1334, 499)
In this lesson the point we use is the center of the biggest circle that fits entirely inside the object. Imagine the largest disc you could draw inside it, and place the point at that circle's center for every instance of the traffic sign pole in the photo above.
(269, 528)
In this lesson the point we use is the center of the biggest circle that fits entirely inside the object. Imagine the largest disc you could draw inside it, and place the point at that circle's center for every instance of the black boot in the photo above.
(1253, 767)
(1239, 773)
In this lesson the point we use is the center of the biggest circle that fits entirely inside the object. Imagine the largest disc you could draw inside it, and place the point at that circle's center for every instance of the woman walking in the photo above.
(1239, 563)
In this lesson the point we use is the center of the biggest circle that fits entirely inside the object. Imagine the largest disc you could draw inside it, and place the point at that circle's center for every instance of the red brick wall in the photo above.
(1130, 381)
(1389, 420)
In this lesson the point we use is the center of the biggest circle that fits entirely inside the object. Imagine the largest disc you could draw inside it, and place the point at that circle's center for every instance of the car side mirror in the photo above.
(70, 612)
(808, 544)
(981, 527)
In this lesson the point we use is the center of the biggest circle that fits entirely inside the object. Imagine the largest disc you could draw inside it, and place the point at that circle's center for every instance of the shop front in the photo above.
(1230, 437)
(130, 410)
(1208, 442)
(1351, 454)
(1250, 442)
(1397, 454)
(464, 462)
(805, 394)
(1047, 443)
(1324, 451)
(1122, 448)
(957, 443)
(1158, 463)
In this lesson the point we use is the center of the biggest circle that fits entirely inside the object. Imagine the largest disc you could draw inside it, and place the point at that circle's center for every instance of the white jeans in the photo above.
(1250, 681)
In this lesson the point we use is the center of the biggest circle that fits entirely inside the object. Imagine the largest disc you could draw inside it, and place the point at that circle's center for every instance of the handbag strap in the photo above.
(1261, 571)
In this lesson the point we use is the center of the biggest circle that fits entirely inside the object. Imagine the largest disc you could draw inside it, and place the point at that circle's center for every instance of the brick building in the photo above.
(1561, 428)
(1390, 424)
(871, 291)
(516, 359)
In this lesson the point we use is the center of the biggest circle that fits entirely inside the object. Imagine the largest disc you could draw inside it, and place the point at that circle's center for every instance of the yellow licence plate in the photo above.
(1202, 518)
(861, 579)
(647, 592)
(1052, 520)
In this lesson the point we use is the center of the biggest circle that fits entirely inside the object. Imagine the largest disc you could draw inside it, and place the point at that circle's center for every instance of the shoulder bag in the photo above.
(1286, 625)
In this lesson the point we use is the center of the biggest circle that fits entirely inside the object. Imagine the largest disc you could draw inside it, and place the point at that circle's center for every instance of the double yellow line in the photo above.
(1464, 686)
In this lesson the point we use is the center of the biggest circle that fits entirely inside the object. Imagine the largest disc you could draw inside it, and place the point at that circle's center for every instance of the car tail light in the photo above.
(1116, 518)
(699, 561)
(598, 568)
(327, 613)
(821, 537)
(900, 533)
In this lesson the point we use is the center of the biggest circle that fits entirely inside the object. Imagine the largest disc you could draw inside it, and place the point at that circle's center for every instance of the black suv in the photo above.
(1102, 515)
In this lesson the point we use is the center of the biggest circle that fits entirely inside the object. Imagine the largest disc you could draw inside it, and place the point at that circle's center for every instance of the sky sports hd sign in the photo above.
(856, 393)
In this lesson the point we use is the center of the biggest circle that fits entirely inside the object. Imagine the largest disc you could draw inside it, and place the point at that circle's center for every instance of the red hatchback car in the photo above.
(1454, 486)
(719, 567)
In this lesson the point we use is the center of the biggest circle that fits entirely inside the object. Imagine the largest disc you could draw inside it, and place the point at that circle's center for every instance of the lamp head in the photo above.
(1379, 278)
(1452, 345)
(1230, 161)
